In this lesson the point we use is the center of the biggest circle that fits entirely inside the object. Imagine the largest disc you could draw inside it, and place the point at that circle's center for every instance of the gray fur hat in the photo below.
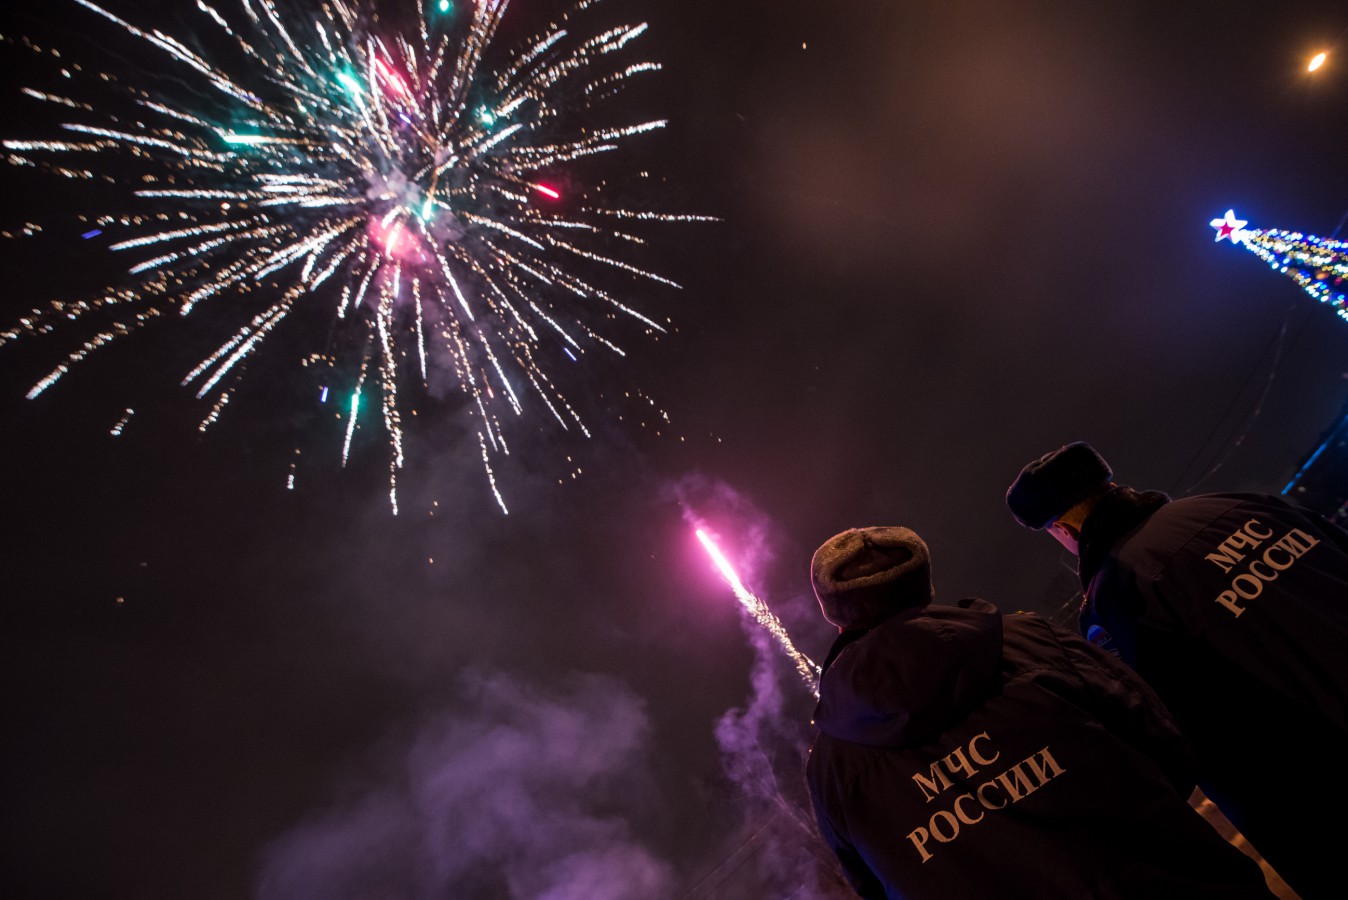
(864, 575)
(1056, 482)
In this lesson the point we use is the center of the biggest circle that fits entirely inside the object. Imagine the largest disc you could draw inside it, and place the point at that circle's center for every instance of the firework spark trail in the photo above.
(405, 171)
(809, 671)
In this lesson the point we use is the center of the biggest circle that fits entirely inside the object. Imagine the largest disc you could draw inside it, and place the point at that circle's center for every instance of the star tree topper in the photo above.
(1229, 227)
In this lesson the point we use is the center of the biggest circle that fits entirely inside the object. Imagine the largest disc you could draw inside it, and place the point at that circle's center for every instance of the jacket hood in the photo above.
(912, 676)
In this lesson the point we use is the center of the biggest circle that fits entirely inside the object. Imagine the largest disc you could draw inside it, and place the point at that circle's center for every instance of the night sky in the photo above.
(952, 236)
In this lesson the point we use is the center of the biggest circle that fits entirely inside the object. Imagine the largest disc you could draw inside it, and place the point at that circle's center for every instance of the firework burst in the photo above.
(377, 161)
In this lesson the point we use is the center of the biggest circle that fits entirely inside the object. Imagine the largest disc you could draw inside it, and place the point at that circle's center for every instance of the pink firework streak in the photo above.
(809, 671)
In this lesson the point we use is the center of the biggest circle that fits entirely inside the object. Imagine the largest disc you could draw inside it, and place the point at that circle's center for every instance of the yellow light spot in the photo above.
(1317, 61)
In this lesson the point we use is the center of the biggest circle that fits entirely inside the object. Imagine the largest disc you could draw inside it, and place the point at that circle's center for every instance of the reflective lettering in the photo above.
(978, 757)
(1041, 772)
(1275, 560)
(1268, 554)
(1228, 599)
(988, 804)
(1017, 787)
(938, 782)
(960, 764)
(1257, 586)
(1249, 529)
(919, 836)
(1304, 538)
(1289, 544)
(1260, 575)
(1246, 536)
(943, 816)
(1018, 782)
(1225, 559)
(963, 816)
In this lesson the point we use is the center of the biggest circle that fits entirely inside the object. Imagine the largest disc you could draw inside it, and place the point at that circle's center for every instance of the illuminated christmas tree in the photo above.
(1319, 265)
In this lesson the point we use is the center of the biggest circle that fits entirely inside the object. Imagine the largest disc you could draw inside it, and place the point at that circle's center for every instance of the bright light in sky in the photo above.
(808, 668)
(1317, 61)
(722, 564)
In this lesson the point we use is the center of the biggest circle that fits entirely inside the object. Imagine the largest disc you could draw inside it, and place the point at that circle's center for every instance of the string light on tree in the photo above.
(1319, 265)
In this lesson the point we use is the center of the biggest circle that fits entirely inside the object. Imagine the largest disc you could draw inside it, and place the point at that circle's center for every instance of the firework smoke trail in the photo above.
(386, 173)
(808, 669)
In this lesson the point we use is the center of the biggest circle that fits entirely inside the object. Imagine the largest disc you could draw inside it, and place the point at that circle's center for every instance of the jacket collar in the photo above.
(1118, 512)
(840, 643)
(908, 678)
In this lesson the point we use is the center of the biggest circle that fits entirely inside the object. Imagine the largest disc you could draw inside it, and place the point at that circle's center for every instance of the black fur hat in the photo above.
(864, 575)
(1056, 482)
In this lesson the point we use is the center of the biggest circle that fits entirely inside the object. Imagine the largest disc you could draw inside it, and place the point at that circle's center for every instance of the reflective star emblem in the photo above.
(1229, 227)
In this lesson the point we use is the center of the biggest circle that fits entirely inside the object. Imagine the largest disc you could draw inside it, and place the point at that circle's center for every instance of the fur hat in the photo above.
(1056, 482)
(864, 575)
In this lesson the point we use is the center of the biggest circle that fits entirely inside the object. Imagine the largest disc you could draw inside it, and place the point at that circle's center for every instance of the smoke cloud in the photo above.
(521, 792)
(527, 791)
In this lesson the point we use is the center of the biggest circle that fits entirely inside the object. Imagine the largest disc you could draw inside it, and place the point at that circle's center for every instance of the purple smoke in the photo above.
(520, 793)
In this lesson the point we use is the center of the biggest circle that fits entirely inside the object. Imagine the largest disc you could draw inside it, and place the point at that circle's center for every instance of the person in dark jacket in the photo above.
(963, 753)
(1234, 607)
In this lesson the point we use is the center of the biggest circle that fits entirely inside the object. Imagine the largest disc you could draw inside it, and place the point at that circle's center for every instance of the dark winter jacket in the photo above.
(1234, 607)
(967, 754)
